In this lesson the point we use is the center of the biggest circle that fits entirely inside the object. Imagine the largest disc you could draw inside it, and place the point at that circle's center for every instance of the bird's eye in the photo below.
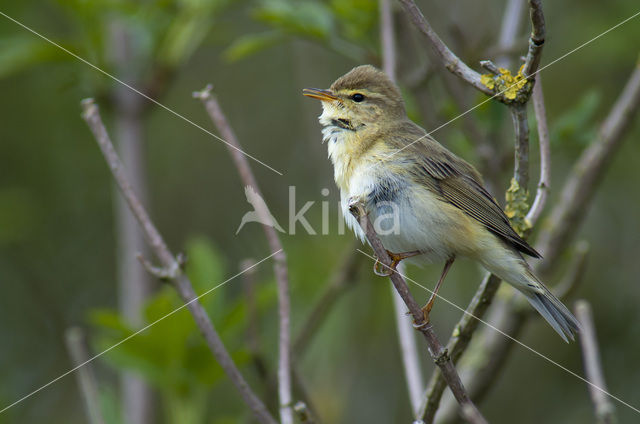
(357, 97)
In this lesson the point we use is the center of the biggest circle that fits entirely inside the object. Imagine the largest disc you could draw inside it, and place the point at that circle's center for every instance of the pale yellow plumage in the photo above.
(430, 200)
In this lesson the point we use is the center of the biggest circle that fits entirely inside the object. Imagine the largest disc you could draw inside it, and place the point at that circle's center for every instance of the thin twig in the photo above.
(75, 341)
(544, 183)
(536, 40)
(438, 353)
(408, 351)
(253, 332)
(387, 37)
(521, 128)
(280, 265)
(605, 413)
(406, 335)
(181, 283)
(458, 343)
(448, 58)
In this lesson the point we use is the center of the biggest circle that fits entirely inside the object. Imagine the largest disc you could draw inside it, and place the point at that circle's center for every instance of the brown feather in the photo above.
(456, 182)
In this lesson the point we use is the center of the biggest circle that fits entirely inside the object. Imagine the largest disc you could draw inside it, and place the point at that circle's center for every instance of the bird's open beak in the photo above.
(319, 94)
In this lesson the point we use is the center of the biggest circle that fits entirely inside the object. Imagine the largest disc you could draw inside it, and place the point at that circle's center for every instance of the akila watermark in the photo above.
(384, 215)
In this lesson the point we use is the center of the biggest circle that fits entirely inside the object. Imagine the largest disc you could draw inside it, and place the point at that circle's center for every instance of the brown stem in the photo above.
(280, 266)
(438, 353)
(458, 343)
(179, 280)
(536, 40)
(521, 128)
(544, 183)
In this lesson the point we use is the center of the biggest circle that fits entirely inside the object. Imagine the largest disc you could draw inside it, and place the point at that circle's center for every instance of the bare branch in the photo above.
(387, 38)
(536, 40)
(587, 173)
(181, 282)
(590, 353)
(448, 58)
(408, 351)
(521, 128)
(458, 343)
(438, 353)
(544, 183)
(75, 341)
(280, 266)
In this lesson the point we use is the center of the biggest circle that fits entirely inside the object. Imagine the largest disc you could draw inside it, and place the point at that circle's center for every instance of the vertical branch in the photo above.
(75, 341)
(545, 154)
(521, 128)
(134, 285)
(387, 39)
(172, 270)
(603, 407)
(406, 336)
(536, 40)
(408, 351)
(438, 353)
(280, 267)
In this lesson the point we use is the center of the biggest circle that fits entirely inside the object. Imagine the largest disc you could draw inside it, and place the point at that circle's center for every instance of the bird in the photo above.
(427, 204)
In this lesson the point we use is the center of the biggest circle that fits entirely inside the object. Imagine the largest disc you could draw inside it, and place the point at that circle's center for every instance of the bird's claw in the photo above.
(383, 270)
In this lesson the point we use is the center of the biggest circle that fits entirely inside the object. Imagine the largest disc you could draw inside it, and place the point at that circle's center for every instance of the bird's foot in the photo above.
(386, 270)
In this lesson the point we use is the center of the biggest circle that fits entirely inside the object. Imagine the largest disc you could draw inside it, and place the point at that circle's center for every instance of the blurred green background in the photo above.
(57, 239)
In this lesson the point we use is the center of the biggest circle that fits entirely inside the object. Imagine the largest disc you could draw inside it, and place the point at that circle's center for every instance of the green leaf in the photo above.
(22, 52)
(252, 43)
(302, 18)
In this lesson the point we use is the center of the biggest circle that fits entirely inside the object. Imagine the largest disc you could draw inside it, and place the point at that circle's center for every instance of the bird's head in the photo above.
(364, 98)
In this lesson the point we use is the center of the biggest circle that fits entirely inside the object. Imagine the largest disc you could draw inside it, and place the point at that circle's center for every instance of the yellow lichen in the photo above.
(487, 80)
(507, 84)
(517, 207)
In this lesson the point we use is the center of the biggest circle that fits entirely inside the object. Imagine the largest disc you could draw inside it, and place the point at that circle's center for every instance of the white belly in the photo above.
(406, 218)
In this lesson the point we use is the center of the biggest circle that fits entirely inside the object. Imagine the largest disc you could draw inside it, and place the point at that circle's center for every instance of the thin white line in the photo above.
(510, 337)
(497, 94)
(136, 333)
(138, 92)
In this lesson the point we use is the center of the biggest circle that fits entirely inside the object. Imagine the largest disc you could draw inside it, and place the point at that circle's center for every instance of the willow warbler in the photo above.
(435, 200)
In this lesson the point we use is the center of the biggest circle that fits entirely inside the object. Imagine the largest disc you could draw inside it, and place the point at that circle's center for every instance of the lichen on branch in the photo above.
(510, 88)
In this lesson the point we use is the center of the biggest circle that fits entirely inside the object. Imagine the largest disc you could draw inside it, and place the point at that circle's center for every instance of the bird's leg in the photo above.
(384, 271)
(427, 308)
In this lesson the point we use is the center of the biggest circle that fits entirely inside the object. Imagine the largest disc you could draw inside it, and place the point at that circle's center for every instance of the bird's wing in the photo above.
(458, 183)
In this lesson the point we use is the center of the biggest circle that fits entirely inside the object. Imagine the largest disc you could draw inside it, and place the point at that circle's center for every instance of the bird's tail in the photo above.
(554, 311)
